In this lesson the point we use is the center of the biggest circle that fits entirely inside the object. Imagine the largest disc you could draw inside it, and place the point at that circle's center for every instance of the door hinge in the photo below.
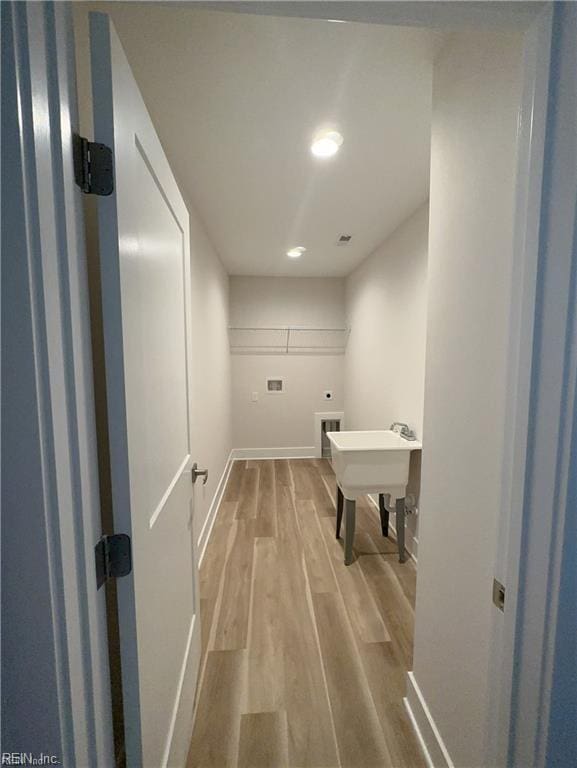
(93, 167)
(499, 594)
(113, 557)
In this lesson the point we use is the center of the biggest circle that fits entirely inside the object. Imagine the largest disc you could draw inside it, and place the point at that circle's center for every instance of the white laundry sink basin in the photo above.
(373, 461)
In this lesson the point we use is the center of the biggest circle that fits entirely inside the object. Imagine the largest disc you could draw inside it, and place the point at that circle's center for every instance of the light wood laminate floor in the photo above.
(304, 659)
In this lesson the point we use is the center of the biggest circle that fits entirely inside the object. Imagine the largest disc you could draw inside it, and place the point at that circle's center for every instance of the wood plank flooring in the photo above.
(304, 660)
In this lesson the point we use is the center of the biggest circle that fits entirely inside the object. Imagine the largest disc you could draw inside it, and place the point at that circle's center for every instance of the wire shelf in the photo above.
(288, 340)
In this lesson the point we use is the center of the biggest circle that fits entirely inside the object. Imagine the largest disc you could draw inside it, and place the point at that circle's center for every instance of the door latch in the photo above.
(499, 595)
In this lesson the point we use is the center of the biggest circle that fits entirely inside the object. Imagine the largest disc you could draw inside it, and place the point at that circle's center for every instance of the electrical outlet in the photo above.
(254, 397)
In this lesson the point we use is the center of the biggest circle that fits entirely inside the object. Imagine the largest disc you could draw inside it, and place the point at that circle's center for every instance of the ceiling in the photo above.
(236, 99)
(447, 15)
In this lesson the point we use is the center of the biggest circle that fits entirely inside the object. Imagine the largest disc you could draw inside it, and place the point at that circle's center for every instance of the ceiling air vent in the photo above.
(344, 239)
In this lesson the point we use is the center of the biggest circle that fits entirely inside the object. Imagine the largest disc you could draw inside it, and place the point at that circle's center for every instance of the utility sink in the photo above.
(373, 461)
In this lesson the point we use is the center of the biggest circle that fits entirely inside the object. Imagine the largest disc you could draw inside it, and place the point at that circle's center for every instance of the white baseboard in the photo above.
(213, 509)
(308, 452)
(432, 744)
(411, 543)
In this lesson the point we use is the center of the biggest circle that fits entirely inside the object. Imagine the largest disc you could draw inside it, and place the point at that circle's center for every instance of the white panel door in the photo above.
(145, 272)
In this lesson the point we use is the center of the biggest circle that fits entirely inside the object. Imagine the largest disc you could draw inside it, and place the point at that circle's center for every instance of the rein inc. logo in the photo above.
(29, 758)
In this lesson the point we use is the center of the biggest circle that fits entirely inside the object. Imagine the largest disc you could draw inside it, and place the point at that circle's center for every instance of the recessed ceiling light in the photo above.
(296, 253)
(326, 144)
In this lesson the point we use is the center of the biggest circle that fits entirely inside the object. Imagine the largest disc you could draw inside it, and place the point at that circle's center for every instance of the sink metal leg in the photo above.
(350, 514)
(384, 515)
(340, 501)
(400, 521)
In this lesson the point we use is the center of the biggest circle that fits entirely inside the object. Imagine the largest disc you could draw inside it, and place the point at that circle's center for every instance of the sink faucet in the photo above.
(404, 430)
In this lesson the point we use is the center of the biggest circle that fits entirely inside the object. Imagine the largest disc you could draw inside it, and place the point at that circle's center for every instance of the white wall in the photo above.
(278, 301)
(476, 96)
(211, 370)
(286, 420)
(386, 305)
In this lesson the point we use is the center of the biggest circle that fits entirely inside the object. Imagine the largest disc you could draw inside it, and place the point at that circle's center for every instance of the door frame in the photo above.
(520, 356)
(542, 406)
(61, 499)
(544, 343)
